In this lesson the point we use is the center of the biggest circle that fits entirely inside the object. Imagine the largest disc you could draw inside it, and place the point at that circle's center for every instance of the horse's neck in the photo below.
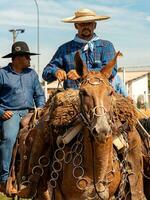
(99, 154)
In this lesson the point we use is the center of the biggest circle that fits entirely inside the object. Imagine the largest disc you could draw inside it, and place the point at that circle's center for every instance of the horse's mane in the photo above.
(64, 108)
(124, 110)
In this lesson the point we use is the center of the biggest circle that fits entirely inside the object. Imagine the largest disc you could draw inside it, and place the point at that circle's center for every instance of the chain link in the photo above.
(37, 170)
(74, 155)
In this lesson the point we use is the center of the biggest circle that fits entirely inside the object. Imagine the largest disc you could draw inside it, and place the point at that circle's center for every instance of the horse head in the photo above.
(96, 95)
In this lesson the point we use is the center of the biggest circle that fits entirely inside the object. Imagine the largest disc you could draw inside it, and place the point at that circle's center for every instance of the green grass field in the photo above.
(3, 197)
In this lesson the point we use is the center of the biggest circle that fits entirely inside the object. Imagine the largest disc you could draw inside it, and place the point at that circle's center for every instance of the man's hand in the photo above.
(60, 75)
(7, 115)
(73, 75)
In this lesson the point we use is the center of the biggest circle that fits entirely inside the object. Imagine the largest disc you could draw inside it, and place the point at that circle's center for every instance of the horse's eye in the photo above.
(111, 93)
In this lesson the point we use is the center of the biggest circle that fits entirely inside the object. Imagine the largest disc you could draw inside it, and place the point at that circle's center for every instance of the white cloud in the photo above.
(127, 28)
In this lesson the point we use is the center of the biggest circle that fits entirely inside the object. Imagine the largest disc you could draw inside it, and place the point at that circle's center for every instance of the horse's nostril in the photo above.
(103, 132)
(95, 132)
(106, 134)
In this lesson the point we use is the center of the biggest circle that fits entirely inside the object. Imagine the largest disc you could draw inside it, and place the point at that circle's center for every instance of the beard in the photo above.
(86, 32)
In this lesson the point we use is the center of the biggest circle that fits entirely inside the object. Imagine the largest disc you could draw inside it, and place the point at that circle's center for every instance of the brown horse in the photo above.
(95, 171)
(88, 167)
(97, 96)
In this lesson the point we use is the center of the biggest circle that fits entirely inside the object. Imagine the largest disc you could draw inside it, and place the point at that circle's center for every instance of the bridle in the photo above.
(85, 116)
(90, 122)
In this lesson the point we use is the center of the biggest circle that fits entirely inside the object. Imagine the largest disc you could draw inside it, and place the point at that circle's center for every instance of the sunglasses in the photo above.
(26, 56)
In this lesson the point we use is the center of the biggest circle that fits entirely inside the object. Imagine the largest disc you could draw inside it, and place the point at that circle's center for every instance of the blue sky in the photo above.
(128, 29)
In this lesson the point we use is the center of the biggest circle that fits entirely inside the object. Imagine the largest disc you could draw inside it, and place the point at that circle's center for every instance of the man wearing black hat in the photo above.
(20, 90)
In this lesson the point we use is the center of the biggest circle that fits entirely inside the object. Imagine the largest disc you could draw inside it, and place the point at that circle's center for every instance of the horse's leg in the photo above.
(135, 161)
(58, 195)
(114, 175)
(43, 195)
(102, 159)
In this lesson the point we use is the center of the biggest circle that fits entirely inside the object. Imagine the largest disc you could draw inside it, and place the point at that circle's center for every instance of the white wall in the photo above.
(138, 87)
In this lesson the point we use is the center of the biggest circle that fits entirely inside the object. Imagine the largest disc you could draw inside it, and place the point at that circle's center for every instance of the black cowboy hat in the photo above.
(19, 48)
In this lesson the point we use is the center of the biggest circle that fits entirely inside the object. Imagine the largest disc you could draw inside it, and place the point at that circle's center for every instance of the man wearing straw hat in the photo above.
(94, 51)
(20, 90)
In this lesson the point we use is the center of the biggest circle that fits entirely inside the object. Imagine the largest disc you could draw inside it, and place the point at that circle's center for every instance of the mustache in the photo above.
(86, 29)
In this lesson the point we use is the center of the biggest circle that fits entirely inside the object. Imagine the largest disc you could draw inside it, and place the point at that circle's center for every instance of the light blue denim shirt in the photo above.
(19, 91)
(118, 85)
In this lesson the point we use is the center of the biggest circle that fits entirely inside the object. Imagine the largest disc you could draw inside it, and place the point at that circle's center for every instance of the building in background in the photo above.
(50, 87)
(137, 80)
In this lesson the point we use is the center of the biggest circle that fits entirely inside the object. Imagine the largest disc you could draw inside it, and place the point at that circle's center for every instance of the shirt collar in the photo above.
(88, 44)
(11, 69)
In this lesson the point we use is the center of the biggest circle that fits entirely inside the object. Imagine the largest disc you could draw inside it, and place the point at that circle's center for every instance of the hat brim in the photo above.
(10, 55)
(85, 19)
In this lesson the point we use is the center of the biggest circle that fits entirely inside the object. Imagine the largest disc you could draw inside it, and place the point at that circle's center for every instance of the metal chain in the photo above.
(73, 155)
(41, 162)
(147, 177)
(77, 148)
(37, 170)
(59, 156)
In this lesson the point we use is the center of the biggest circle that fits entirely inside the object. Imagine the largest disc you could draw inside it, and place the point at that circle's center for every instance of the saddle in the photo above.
(62, 109)
(21, 150)
(19, 166)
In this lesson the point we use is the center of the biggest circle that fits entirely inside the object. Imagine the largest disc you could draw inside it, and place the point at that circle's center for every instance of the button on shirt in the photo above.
(19, 91)
(102, 52)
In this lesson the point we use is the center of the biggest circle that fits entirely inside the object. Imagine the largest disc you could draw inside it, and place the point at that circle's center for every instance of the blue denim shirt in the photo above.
(118, 85)
(19, 91)
(103, 52)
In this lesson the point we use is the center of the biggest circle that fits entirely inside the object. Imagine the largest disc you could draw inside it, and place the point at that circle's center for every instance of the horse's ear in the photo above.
(107, 70)
(80, 67)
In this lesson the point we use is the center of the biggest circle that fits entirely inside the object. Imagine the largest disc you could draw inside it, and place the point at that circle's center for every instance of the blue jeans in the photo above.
(8, 134)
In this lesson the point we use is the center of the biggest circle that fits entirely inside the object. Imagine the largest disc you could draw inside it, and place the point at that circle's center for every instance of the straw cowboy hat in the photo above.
(84, 15)
(19, 48)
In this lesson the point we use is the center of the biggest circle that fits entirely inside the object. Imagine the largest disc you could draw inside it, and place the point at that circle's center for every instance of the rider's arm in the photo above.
(51, 68)
(39, 97)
